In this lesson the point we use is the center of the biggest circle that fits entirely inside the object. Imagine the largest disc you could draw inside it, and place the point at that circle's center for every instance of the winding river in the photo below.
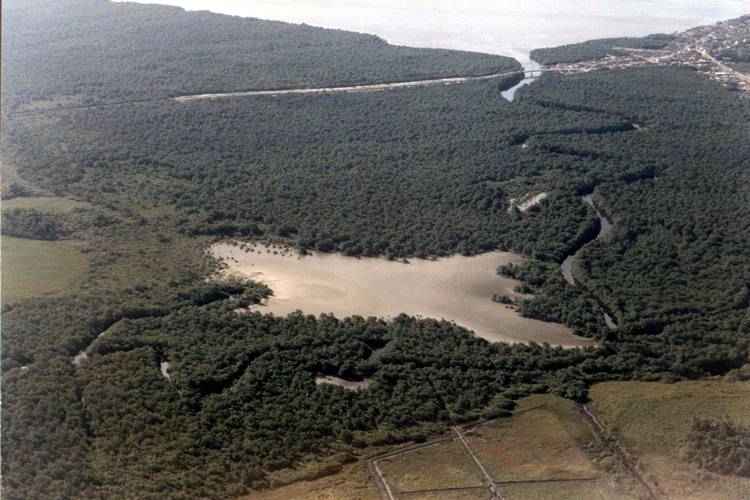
(605, 229)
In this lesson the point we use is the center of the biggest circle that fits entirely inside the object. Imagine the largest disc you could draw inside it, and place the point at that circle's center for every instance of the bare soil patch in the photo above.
(457, 289)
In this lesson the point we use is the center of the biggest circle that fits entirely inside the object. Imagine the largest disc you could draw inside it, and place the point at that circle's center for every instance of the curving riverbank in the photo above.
(603, 231)
(528, 67)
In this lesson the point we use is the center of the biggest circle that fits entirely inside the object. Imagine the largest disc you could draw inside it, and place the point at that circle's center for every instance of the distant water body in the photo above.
(494, 26)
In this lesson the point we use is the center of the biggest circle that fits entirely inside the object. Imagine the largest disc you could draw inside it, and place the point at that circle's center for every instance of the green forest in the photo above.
(423, 172)
(597, 49)
(84, 52)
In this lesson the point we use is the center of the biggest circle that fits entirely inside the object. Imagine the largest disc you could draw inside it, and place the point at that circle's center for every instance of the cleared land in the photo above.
(589, 490)
(457, 288)
(353, 483)
(537, 454)
(475, 494)
(45, 204)
(444, 465)
(542, 441)
(652, 421)
(32, 268)
(340, 382)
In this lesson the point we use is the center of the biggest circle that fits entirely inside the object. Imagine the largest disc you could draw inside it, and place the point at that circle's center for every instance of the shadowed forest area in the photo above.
(411, 173)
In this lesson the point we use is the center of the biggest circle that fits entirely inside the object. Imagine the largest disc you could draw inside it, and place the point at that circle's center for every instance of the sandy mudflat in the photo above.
(350, 385)
(455, 288)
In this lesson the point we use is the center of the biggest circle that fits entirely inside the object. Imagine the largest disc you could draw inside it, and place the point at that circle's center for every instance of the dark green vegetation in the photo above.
(555, 300)
(81, 52)
(418, 172)
(32, 224)
(678, 193)
(425, 171)
(739, 51)
(719, 446)
(431, 171)
(736, 55)
(240, 383)
(597, 49)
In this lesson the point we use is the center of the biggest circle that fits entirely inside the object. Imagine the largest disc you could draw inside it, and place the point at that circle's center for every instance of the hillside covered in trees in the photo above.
(415, 172)
(597, 49)
(80, 52)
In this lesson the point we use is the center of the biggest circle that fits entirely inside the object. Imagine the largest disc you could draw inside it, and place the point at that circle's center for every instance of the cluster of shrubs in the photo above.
(719, 446)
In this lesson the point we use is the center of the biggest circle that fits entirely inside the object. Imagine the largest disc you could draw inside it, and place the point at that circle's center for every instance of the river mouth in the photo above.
(458, 289)
(529, 66)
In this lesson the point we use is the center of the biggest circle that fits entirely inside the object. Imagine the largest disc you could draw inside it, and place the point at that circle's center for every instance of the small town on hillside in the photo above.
(721, 51)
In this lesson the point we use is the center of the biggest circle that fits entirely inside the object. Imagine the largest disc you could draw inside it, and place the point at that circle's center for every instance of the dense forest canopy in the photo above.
(417, 172)
(89, 51)
(597, 49)
(431, 172)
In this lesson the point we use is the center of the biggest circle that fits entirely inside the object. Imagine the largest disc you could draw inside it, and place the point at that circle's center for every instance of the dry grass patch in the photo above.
(543, 440)
(575, 490)
(49, 204)
(473, 494)
(33, 268)
(444, 465)
(652, 421)
(352, 483)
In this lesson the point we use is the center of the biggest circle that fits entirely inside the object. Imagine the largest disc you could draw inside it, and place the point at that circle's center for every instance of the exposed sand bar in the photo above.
(524, 203)
(349, 385)
(375, 87)
(456, 289)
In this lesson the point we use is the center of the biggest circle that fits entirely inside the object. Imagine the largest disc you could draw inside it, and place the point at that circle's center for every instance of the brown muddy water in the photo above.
(457, 289)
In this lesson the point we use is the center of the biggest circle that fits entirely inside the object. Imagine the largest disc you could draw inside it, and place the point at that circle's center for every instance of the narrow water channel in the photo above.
(528, 66)
(605, 229)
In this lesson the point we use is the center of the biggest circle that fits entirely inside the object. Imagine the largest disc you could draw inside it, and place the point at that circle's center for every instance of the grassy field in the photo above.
(51, 204)
(543, 440)
(444, 465)
(33, 268)
(577, 490)
(474, 494)
(652, 421)
(353, 483)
